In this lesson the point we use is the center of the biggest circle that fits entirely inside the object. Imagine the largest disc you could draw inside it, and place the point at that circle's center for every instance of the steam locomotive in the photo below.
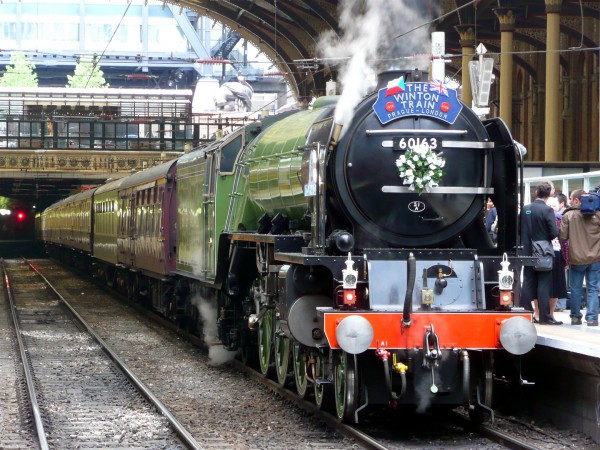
(328, 268)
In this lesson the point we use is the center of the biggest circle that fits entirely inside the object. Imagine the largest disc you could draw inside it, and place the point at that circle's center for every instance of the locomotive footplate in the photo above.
(454, 330)
(281, 243)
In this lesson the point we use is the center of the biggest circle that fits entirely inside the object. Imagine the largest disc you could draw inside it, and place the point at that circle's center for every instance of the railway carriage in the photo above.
(106, 223)
(145, 201)
(68, 223)
(325, 262)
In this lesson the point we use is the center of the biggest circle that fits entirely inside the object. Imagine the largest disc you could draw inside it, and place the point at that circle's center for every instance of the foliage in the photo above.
(21, 73)
(87, 74)
(5, 202)
(421, 168)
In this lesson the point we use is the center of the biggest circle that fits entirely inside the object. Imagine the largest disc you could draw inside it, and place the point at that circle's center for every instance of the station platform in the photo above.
(562, 374)
(580, 339)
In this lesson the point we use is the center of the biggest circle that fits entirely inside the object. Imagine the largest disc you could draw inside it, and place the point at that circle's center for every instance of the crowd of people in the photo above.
(574, 237)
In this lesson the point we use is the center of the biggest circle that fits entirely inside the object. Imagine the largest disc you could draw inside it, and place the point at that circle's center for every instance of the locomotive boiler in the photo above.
(329, 266)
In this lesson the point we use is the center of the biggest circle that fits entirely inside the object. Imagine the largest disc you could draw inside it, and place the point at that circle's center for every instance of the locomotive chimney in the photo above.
(335, 135)
(414, 76)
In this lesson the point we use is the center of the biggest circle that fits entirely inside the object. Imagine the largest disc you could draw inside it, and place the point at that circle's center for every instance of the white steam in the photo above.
(207, 307)
(423, 394)
(366, 45)
(206, 302)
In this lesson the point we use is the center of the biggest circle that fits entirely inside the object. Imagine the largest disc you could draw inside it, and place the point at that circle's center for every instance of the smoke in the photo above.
(423, 394)
(366, 45)
(206, 302)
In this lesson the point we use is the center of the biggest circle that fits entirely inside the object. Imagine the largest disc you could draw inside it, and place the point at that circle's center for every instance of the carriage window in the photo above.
(229, 154)
(123, 215)
(152, 220)
(208, 184)
(141, 221)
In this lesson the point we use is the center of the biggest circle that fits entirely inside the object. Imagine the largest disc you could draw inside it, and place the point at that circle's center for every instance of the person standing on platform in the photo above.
(562, 203)
(559, 281)
(538, 224)
(583, 233)
(490, 217)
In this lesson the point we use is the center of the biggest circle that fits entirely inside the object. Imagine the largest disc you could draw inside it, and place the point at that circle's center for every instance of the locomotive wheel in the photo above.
(345, 382)
(282, 357)
(300, 369)
(322, 391)
(485, 385)
(265, 342)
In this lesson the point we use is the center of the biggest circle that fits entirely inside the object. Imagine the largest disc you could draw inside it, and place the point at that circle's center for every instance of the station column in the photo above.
(506, 17)
(467, 43)
(552, 125)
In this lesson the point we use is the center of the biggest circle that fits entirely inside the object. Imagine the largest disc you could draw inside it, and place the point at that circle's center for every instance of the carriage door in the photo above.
(123, 232)
(208, 217)
(131, 228)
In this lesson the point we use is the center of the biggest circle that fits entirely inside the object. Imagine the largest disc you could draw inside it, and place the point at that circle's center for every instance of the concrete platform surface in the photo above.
(580, 339)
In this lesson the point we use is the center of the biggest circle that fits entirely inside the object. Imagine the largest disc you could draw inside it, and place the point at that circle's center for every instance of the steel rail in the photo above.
(505, 439)
(35, 408)
(360, 437)
(179, 429)
(488, 431)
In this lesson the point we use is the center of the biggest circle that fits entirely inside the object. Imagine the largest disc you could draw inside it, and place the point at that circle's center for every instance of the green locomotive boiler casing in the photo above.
(272, 165)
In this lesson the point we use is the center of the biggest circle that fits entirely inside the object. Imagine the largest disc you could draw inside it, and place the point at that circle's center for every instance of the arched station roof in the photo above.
(287, 31)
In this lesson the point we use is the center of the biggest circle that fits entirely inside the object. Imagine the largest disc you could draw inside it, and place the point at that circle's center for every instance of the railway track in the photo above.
(361, 438)
(220, 407)
(79, 392)
(239, 416)
(371, 437)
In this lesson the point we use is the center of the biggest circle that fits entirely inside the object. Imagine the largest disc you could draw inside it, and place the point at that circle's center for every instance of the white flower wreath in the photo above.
(421, 168)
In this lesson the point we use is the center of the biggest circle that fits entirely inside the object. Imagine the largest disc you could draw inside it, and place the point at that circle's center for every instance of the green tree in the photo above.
(87, 74)
(20, 73)
(5, 202)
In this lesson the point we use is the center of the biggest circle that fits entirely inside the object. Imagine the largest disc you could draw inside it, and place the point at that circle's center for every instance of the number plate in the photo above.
(405, 143)
(310, 189)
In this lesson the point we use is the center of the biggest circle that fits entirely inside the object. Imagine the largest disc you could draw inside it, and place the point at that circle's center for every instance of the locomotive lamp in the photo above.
(349, 275)
(506, 279)
(349, 280)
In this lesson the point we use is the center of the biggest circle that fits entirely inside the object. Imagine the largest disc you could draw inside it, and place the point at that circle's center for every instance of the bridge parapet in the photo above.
(16, 162)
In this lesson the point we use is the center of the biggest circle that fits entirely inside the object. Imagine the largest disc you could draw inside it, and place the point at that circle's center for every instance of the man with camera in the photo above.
(581, 227)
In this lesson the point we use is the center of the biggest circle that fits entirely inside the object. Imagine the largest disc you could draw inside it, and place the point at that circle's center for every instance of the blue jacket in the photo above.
(492, 213)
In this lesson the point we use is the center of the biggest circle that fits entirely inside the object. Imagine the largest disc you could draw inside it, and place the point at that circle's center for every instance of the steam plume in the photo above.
(207, 307)
(366, 45)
